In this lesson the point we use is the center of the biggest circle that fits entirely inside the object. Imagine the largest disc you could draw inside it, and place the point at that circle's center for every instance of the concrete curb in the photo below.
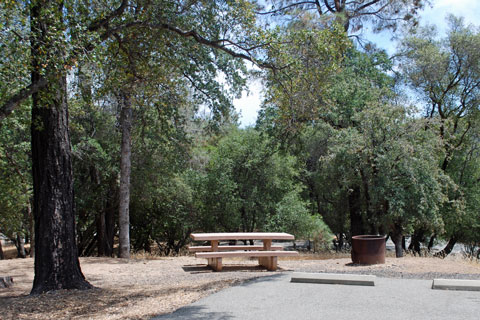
(454, 284)
(334, 278)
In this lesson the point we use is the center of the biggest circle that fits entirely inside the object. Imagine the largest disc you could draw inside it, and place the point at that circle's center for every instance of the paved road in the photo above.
(277, 298)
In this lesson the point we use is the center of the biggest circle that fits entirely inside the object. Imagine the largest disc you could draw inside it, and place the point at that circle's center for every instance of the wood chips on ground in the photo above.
(144, 288)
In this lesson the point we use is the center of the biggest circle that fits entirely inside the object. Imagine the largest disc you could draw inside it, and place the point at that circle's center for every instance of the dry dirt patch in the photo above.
(141, 289)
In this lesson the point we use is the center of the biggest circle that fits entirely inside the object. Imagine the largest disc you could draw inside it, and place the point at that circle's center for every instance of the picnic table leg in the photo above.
(265, 261)
(215, 263)
(272, 264)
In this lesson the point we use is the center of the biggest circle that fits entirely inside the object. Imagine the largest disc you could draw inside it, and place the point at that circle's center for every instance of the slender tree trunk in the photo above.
(110, 229)
(2, 256)
(20, 244)
(397, 240)
(356, 221)
(125, 169)
(31, 230)
(448, 248)
(431, 242)
(56, 259)
(101, 236)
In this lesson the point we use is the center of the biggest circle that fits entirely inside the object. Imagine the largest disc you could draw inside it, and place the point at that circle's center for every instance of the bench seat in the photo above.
(267, 259)
(230, 254)
(230, 248)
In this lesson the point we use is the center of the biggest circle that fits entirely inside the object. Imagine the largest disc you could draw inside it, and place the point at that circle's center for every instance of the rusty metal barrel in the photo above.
(368, 249)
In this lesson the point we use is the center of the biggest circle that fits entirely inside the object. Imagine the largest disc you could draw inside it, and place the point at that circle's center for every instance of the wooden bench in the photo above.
(267, 253)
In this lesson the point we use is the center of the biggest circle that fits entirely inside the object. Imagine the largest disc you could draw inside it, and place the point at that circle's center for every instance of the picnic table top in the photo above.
(242, 236)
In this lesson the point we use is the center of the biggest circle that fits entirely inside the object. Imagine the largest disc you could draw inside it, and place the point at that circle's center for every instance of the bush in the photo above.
(292, 216)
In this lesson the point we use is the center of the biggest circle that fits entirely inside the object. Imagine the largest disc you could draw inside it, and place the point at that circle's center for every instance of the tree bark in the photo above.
(56, 259)
(448, 248)
(125, 169)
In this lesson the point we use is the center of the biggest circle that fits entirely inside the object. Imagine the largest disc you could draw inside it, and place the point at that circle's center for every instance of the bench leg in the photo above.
(215, 263)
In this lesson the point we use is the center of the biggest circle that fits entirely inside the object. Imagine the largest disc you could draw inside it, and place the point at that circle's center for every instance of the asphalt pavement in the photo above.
(275, 297)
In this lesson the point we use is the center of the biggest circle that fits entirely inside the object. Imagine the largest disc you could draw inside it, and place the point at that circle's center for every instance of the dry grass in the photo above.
(147, 285)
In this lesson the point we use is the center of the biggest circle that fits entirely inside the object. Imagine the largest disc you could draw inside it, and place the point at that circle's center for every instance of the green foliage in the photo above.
(296, 92)
(15, 176)
(292, 216)
(246, 178)
(446, 76)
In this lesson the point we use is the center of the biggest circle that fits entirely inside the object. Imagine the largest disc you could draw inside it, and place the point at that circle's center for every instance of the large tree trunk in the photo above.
(355, 208)
(448, 248)
(125, 169)
(56, 258)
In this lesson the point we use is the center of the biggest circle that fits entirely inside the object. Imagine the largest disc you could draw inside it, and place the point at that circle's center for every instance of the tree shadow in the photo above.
(195, 312)
(351, 264)
(203, 268)
(88, 303)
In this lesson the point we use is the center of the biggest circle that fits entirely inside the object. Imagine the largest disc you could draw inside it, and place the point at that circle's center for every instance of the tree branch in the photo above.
(12, 103)
(23, 94)
(213, 44)
(287, 7)
(105, 21)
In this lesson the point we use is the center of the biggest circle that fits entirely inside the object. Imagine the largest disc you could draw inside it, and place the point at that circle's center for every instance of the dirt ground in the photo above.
(143, 288)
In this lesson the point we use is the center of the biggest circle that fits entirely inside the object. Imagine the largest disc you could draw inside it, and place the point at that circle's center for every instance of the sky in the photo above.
(249, 104)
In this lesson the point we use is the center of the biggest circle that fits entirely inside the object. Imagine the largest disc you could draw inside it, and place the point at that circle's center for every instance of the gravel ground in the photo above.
(143, 288)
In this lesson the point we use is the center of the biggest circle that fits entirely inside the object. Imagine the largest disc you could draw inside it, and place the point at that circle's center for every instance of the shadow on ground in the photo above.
(195, 312)
(202, 268)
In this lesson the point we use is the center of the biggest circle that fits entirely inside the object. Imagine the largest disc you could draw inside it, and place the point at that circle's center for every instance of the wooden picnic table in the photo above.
(266, 253)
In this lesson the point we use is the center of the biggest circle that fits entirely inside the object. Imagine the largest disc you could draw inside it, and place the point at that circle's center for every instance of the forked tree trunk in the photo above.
(125, 169)
(417, 237)
(56, 258)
